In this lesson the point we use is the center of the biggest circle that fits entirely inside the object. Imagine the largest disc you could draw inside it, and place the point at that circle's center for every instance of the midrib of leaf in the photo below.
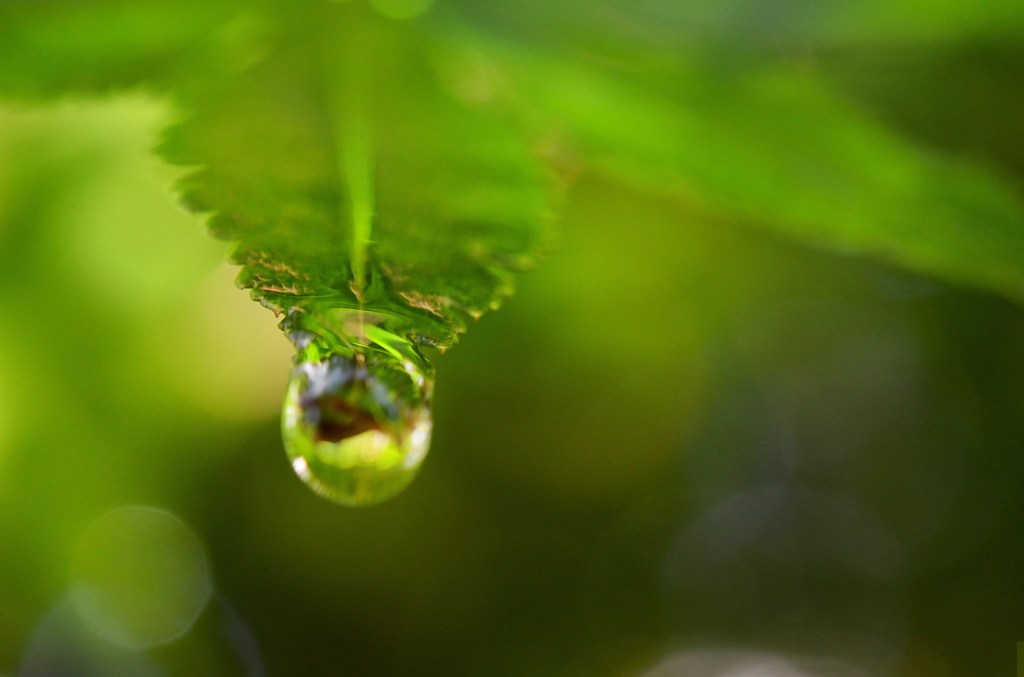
(352, 132)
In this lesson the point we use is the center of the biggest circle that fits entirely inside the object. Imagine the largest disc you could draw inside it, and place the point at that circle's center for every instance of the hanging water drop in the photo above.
(356, 422)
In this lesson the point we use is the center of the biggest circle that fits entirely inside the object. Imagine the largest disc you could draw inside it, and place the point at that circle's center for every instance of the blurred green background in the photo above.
(684, 446)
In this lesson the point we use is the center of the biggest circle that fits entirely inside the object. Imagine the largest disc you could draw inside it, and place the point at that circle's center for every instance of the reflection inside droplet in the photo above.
(139, 577)
(356, 421)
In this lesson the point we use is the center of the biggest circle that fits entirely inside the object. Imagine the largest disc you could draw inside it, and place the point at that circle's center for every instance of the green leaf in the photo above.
(59, 46)
(350, 175)
(770, 146)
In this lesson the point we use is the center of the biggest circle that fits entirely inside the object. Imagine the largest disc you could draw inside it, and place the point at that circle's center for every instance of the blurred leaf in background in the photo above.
(743, 418)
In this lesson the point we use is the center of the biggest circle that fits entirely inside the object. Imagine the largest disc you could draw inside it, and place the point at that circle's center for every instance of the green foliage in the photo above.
(361, 159)
(60, 46)
(776, 149)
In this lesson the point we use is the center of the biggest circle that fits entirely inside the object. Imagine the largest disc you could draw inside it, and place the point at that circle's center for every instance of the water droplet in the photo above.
(356, 421)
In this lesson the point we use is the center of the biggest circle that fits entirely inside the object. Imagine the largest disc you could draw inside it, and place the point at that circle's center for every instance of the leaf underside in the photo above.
(458, 202)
